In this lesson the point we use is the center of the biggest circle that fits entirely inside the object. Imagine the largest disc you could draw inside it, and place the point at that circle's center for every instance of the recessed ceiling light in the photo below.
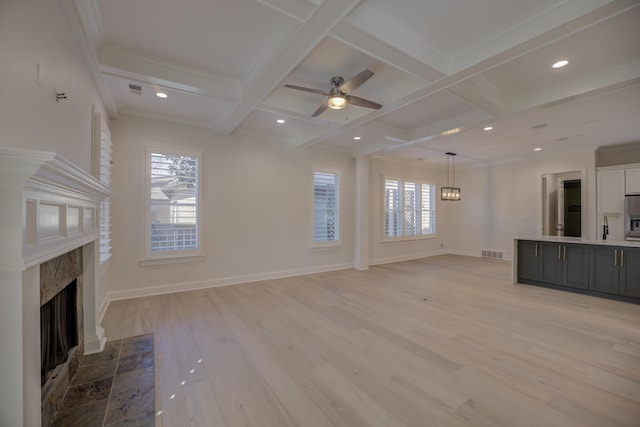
(161, 94)
(281, 121)
(357, 138)
(560, 64)
(488, 128)
(537, 149)
(539, 126)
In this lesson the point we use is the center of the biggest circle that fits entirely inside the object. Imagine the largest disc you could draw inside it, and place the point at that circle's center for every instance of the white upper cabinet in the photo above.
(632, 181)
(611, 191)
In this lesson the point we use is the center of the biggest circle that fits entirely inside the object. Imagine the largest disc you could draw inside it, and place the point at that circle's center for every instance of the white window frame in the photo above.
(325, 243)
(150, 257)
(103, 161)
(432, 210)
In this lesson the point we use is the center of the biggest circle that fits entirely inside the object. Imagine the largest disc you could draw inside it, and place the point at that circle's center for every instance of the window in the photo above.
(409, 209)
(326, 226)
(173, 203)
(103, 158)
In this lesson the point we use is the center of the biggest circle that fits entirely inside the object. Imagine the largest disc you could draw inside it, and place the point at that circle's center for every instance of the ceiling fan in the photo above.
(338, 95)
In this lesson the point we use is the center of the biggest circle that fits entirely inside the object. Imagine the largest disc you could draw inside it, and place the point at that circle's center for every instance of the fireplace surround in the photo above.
(49, 208)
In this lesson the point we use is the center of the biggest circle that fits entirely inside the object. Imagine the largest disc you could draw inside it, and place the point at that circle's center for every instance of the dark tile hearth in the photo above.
(112, 388)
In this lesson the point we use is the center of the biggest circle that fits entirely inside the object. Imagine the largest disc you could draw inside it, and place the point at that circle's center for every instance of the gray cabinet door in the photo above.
(575, 268)
(528, 260)
(551, 255)
(630, 272)
(604, 270)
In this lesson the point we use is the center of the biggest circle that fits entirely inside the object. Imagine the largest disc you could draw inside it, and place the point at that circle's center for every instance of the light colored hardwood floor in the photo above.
(441, 341)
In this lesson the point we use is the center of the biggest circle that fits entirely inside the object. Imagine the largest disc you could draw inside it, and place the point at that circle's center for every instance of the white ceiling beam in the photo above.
(614, 79)
(296, 9)
(132, 65)
(380, 25)
(288, 113)
(558, 21)
(478, 92)
(448, 126)
(618, 77)
(390, 133)
(395, 56)
(321, 22)
(613, 8)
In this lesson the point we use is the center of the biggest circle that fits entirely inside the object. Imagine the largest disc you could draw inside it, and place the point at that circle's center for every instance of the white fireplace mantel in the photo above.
(48, 206)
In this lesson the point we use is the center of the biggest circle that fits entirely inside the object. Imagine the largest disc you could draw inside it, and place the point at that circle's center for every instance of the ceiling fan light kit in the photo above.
(337, 102)
(338, 97)
(450, 192)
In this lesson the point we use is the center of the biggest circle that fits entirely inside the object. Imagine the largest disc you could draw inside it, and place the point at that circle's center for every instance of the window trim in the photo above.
(403, 238)
(314, 244)
(102, 170)
(150, 257)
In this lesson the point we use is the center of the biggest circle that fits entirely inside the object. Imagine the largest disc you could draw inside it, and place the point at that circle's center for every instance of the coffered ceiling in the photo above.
(444, 70)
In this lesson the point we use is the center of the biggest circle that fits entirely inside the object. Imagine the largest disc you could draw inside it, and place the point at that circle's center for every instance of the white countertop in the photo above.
(583, 240)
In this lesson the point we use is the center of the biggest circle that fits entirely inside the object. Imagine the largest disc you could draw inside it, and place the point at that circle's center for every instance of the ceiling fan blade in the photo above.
(308, 89)
(361, 102)
(320, 109)
(357, 81)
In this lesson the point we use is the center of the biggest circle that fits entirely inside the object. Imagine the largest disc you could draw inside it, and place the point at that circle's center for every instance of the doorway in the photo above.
(562, 204)
(572, 208)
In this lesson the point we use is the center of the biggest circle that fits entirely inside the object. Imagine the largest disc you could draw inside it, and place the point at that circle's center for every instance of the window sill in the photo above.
(399, 240)
(328, 246)
(171, 260)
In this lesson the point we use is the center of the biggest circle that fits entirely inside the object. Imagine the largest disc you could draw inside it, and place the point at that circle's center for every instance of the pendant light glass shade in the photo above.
(450, 192)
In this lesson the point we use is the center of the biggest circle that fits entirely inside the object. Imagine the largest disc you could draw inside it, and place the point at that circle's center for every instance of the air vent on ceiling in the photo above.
(135, 89)
(488, 253)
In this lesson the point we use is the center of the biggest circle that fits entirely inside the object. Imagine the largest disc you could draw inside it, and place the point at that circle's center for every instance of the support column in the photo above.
(361, 256)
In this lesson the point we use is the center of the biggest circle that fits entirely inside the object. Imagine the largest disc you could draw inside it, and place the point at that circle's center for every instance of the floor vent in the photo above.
(488, 253)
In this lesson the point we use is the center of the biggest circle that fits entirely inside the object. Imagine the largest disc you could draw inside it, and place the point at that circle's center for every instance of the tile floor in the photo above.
(112, 388)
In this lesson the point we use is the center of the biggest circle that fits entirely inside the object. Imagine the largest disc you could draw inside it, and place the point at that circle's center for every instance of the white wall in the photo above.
(502, 201)
(35, 32)
(257, 207)
(381, 252)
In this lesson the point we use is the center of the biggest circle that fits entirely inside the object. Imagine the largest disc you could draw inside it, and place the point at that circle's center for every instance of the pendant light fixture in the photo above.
(450, 192)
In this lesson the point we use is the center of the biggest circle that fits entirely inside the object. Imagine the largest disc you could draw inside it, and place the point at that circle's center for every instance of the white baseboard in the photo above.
(235, 280)
(408, 257)
(225, 281)
(466, 253)
(94, 343)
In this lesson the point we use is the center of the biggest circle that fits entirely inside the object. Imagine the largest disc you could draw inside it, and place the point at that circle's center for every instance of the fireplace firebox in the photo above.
(58, 329)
